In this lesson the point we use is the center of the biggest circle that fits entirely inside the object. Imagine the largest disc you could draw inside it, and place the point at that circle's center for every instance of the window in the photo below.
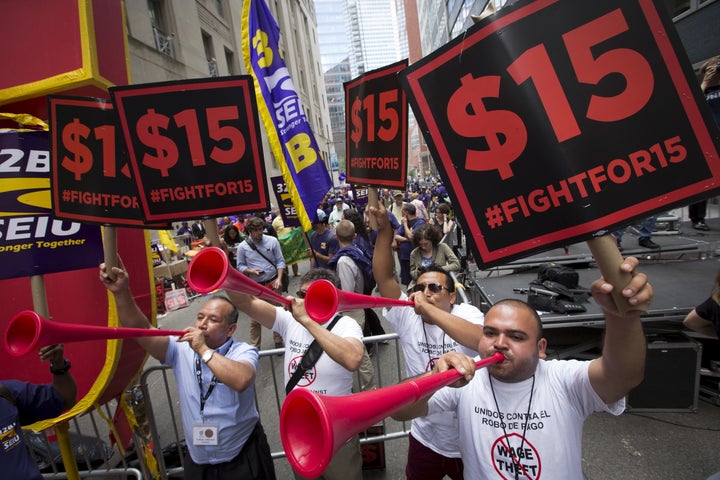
(210, 55)
(219, 8)
(230, 61)
(158, 20)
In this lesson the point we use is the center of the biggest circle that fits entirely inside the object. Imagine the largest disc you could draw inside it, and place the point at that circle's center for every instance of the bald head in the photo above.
(345, 231)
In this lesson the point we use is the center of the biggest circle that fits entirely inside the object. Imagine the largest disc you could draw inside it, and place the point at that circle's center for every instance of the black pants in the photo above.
(254, 462)
(697, 211)
(372, 324)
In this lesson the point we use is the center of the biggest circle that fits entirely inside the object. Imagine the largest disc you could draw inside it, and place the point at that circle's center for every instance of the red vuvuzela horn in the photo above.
(210, 270)
(323, 300)
(28, 331)
(313, 427)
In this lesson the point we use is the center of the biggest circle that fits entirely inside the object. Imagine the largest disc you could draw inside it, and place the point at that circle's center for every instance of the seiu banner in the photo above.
(289, 133)
(32, 241)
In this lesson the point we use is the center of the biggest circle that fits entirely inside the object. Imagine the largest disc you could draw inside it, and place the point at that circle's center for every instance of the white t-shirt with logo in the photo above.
(551, 448)
(326, 377)
(422, 345)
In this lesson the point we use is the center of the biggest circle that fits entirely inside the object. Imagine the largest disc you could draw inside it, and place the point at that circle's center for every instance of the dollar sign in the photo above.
(72, 136)
(356, 133)
(148, 132)
(504, 131)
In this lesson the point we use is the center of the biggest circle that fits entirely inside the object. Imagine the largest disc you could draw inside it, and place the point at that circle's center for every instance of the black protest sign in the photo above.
(557, 120)
(194, 146)
(91, 177)
(376, 116)
(285, 204)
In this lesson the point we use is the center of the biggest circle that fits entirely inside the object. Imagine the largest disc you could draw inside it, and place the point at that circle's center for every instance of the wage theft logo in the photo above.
(514, 457)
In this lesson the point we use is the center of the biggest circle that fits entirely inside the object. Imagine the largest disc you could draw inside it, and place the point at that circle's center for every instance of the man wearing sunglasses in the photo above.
(430, 329)
(332, 373)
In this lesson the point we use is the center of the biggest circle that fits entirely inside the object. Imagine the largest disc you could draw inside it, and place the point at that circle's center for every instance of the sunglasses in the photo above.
(300, 293)
(433, 287)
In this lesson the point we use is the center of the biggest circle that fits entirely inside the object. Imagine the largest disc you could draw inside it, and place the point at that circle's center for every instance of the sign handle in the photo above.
(110, 249)
(608, 257)
(372, 202)
(211, 231)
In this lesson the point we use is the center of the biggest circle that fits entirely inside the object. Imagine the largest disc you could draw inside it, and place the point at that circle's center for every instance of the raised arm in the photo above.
(462, 331)
(622, 364)
(347, 352)
(383, 262)
(129, 314)
(259, 310)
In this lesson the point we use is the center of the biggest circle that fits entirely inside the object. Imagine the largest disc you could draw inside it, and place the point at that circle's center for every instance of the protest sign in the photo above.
(91, 177)
(377, 122)
(284, 201)
(558, 120)
(194, 146)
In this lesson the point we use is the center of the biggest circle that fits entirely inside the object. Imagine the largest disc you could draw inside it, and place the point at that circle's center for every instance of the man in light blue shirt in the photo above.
(215, 377)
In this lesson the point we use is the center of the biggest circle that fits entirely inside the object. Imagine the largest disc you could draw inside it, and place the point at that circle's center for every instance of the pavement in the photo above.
(638, 444)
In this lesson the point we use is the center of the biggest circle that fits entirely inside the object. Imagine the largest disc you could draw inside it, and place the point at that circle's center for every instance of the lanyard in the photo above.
(213, 381)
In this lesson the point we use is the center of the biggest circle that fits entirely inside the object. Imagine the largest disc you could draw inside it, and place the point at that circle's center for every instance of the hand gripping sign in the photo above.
(556, 119)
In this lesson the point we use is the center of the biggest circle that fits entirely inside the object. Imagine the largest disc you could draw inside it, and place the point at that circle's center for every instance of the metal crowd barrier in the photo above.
(90, 435)
(165, 425)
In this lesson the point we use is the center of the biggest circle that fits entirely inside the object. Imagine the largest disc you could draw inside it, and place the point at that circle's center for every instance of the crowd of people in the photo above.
(512, 418)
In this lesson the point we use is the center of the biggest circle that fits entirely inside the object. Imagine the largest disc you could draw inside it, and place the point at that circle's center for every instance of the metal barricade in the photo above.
(163, 413)
(89, 436)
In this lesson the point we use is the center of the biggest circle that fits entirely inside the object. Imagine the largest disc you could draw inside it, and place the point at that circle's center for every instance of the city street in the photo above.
(648, 445)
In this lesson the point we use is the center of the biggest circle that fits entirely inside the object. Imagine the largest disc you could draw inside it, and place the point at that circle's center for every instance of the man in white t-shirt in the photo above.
(433, 327)
(523, 417)
(333, 373)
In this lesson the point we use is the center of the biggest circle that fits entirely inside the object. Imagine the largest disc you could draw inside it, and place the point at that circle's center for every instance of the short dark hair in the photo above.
(427, 232)
(234, 314)
(443, 208)
(434, 267)
(526, 306)
(254, 223)
(409, 208)
(322, 274)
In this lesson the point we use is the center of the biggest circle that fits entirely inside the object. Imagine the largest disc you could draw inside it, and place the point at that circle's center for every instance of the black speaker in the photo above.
(672, 375)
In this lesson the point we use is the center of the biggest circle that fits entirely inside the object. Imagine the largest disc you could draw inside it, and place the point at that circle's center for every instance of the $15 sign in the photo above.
(187, 125)
(377, 119)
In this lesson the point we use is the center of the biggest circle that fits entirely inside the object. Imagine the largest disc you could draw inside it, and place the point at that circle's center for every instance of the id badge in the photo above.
(205, 434)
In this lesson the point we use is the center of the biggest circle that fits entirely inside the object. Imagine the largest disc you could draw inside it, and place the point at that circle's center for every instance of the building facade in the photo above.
(181, 39)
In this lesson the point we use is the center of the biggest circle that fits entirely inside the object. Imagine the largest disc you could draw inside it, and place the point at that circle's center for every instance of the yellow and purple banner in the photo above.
(289, 133)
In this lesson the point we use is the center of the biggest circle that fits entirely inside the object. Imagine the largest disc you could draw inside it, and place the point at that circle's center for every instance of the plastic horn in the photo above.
(210, 270)
(313, 427)
(323, 300)
(27, 331)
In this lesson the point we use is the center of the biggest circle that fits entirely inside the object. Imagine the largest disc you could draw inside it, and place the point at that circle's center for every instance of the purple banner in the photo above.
(360, 196)
(289, 134)
(32, 241)
(285, 204)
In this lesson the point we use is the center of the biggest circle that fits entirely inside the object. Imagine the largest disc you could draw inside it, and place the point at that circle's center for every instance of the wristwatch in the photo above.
(208, 355)
(62, 370)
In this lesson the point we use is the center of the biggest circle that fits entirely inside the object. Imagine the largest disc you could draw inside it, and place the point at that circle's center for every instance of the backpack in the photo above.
(361, 259)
